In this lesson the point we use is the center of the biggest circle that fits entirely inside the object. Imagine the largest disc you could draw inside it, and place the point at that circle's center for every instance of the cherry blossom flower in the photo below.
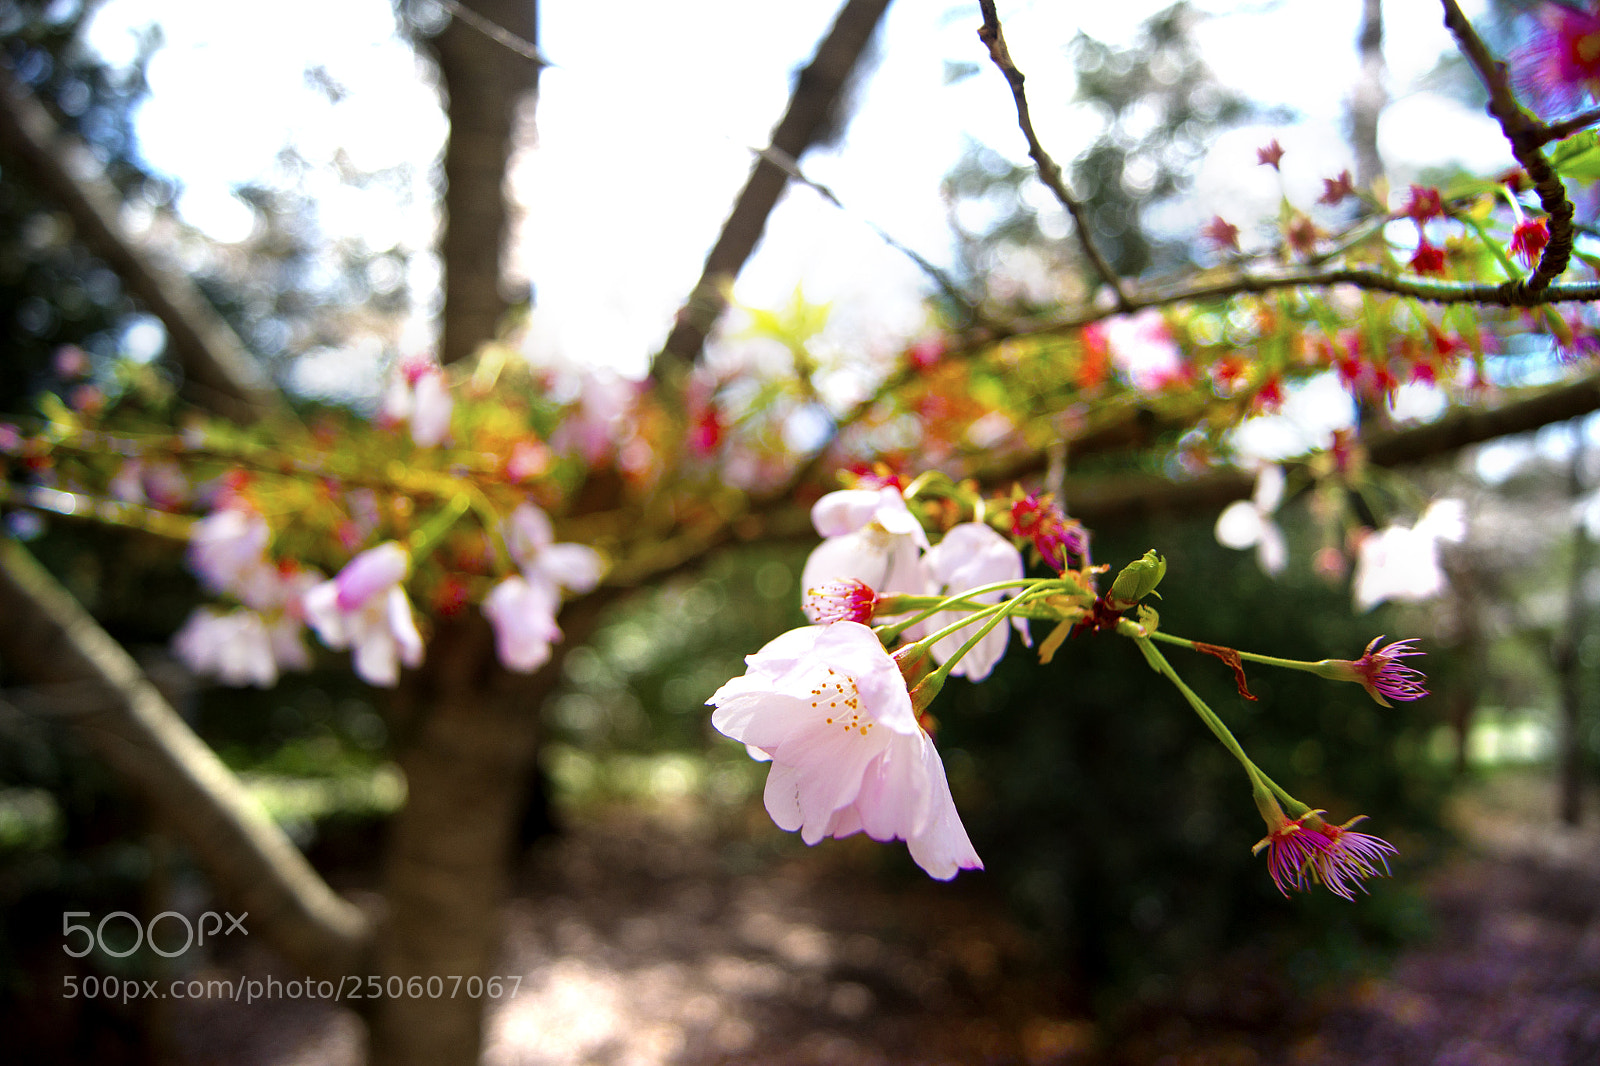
(840, 600)
(1292, 851)
(1334, 190)
(236, 647)
(1350, 857)
(1222, 233)
(418, 394)
(1402, 564)
(1055, 536)
(1248, 523)
(971, 555)
(522, 608)
(365, 609)
(1271, 155)
(523, 614)
(227, 546)
(869, 535)
(1428, 259)
(1143, 349)
(530, 539)
(829, 707)
(1528, 240)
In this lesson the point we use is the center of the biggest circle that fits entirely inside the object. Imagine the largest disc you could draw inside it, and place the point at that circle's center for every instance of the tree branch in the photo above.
(1049, 171)
(1108, 501)
(816, 94)
(219, 373)
(1526, 134)
(47, 639)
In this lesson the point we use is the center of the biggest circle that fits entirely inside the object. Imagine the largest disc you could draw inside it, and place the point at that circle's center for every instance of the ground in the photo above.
(643, 942)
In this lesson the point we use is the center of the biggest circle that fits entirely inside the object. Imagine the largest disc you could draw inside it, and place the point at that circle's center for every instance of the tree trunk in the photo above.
(1569, 665)
(468, 736)
(486, 84)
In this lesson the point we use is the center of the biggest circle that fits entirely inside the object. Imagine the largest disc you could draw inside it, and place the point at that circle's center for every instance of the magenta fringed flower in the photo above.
(1379, 671)
(1307, 851)
(1385, 677)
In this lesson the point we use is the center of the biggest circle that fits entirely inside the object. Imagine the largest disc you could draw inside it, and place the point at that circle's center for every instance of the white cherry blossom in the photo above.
(970, 555)
(829, 708)
(871, 536)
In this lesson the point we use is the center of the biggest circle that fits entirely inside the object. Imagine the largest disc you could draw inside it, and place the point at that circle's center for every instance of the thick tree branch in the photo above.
(49, 641)
(219, 373)
(814, 100)
(1108, 501)
(1049, 171)
(1526, 134)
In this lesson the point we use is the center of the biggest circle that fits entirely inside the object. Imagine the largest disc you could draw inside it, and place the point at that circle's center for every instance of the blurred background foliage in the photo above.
(1109, 822)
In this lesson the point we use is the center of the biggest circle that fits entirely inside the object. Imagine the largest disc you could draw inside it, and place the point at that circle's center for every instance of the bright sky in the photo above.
(645, 118)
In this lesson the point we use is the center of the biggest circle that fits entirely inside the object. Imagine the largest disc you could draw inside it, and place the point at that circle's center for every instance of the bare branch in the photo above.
(1049, 171)
(219, 373)
(816, 92)
(48, 640)
(1559, 131)
(1526, 134)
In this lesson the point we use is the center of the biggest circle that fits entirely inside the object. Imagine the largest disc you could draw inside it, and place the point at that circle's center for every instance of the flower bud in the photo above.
(1136, 581)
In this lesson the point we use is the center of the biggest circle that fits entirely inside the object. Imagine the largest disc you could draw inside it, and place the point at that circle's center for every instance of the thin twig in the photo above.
(1526, 134)
(495, 32)
(790, 166)
(1560, 131)
(1049, 170)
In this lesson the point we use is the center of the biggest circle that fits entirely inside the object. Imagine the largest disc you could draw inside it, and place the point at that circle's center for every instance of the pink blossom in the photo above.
(840, 600)
(830, 709)
(418, 394)
(1385, 677)
(530, 539)
(366, 610)
(868, 535)
(1559, 67)
(226, 546)
(971, 555)
(522, 608)
(236, 647)
(1143, 349)
(523, 615)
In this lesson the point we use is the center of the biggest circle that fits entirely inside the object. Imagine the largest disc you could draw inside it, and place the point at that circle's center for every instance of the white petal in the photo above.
(573, 566)
(1269, 488)
(1239, 525)
(844, 511)
(943, 848)
(1272, 554)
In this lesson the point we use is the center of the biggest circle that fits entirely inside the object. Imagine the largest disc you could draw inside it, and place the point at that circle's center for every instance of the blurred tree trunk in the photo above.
(1567, 654)
(468, 735)
(466, 729)
(486, 85)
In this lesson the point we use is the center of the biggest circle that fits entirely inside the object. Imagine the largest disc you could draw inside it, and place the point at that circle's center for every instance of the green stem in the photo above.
(1247, 656)
(423, 541)
(1257, 777)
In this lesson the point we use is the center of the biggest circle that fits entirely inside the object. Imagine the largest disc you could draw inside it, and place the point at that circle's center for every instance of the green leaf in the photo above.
(1578, 157)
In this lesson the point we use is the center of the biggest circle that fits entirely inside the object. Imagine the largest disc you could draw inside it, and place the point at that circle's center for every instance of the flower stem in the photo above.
(1257, 777)
(1247, 656)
